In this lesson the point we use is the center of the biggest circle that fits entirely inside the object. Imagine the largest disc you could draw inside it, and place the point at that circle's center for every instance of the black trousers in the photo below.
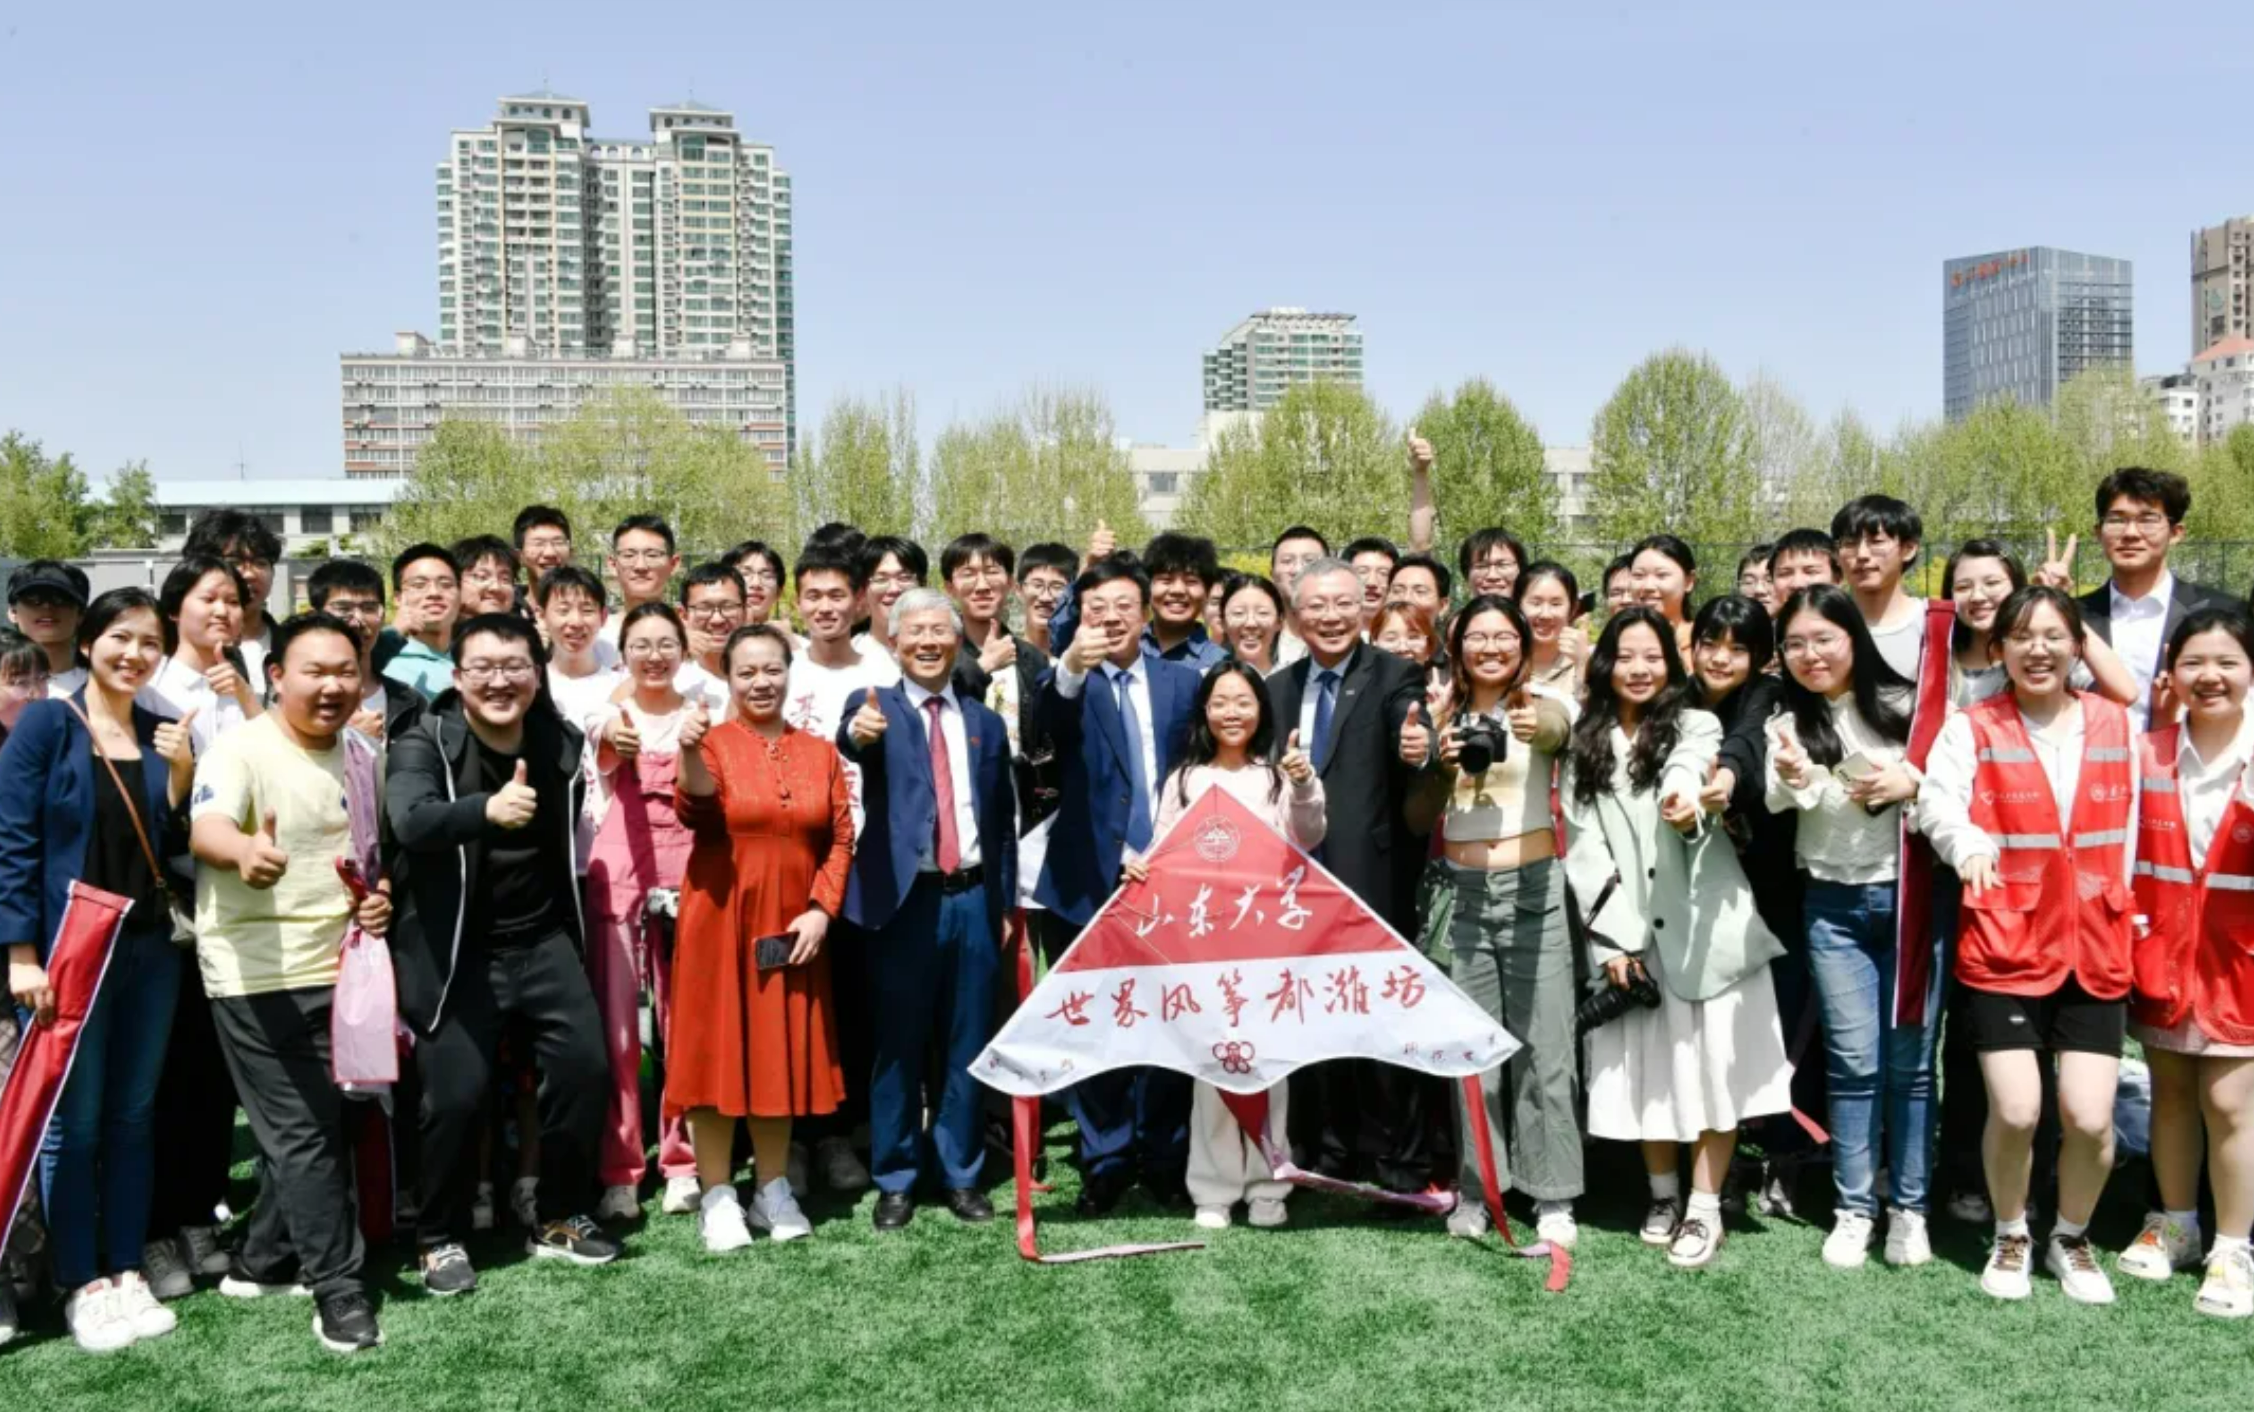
(306, 1225)
(850, 1002)
(195, 1116)
(544, 988)
(1358, 1119)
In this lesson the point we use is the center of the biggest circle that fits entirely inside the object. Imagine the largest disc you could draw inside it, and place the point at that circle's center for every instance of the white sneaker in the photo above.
(481, 1210)
(2006, 1275)
(1212, 1218)
(1849, 1244)
(775, 1211)
(1266, 1212)
(618, 1203)
(1697, 1240)
(2160, 1249)
(95, 1319)
(1469, 1220)
(681, 1196)
(2228, 1290)
(206, 1255)
(1558, 1228)
(720, 1219)
(1907, 1241)
(1971, 1207)
(842, 1171)
(138, 1306)
(2075, 1263)
(524, 1202)
(167, 1272)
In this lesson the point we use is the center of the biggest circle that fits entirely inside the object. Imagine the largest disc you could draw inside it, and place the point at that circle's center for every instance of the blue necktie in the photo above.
(1138, 804)
(1326, 695)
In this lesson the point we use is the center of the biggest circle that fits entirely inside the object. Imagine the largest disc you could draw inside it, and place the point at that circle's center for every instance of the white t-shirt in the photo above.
(177, 688)
(816, 702)
(696, 684)
(583, 700)
(61, 684)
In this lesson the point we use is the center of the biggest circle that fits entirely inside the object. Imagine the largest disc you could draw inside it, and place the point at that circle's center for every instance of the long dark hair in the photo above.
(1960, 636)
(1460, 697)
(1880, 692)
(1740, 620)
(1203, 749)
(1591, 747)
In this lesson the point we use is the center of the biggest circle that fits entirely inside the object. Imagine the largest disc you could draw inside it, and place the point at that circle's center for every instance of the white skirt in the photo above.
(2189, 1038)
(1690, 1066)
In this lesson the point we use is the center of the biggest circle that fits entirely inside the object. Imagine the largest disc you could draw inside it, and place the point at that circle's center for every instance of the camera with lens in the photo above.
(1482, 742)
(1612, 1001)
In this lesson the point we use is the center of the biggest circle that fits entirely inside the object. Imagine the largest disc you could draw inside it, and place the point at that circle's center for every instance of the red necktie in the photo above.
(947, 852)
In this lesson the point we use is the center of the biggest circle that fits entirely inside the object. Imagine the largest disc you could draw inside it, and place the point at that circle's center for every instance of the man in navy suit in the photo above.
(1119, 716)
(934, 873)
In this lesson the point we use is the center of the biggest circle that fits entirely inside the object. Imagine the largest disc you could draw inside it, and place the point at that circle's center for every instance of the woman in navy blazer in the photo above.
(62, 820)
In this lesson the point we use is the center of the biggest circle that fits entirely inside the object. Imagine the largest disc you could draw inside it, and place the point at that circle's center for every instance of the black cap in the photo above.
(53, 576)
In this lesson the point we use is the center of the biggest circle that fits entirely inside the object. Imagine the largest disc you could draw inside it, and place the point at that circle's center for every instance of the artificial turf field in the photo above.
(1335, 1312)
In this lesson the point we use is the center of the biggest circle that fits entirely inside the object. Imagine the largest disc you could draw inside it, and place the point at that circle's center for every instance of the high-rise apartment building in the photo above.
(2021, 324)
(558, 243)
(1261, 357)
(2222, 281)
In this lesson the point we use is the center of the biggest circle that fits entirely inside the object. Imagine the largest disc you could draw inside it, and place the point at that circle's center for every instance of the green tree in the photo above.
(1047, 467)
(1325, 456)
(2222, 488)
(1787, 447)
(1487, 466)
(1673, 447)
(469, 478)
(44, 512)
(1849, 461)
(862, 468)
(127, 517)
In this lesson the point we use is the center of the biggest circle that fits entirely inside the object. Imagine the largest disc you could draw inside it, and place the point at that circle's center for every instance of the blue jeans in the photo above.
(1851, 955)
(97, 1166)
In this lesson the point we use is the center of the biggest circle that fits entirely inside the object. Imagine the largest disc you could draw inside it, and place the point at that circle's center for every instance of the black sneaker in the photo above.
(578, 1240)
(346, 1322)
(447, 1270)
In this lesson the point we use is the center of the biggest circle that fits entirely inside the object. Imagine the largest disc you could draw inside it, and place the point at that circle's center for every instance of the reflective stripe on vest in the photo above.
(2164, 872)
(2026, 840)
(2157, 785)
(2006, 756)
(2101, 838)
(2105, 756)
(2230, 882)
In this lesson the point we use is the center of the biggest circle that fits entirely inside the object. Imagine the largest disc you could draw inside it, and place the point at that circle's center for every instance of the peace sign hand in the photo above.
(2057, 570)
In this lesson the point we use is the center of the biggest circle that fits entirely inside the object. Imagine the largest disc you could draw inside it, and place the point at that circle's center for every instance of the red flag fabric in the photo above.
(1913, 917)
(75, 968)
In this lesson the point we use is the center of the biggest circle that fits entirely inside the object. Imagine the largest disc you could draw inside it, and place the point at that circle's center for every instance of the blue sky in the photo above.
(206, 204)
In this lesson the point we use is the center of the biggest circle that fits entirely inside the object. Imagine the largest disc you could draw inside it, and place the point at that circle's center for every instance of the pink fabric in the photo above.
(641, 845)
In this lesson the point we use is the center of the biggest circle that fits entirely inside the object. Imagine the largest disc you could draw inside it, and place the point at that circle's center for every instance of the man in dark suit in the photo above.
(1360, 715)
(2140, 517)
(934, 872)
(1119, 716)
(999, 667)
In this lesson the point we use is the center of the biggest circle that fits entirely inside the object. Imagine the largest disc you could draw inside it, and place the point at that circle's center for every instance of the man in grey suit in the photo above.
(2140, 517)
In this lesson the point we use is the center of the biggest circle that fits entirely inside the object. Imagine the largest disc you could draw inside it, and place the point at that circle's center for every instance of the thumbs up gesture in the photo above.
(1295, 764)
(1791, 757)
(1102, 542)
(175, 745)
(624, 736)
(513, 804)
(694, 726)
(263, 862)
(1420, 454)
(868, 722)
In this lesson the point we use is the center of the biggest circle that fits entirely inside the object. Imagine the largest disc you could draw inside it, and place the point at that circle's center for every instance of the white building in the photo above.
(305, 512)
(393, 402)
(2177, 397)
(1274, 349)
(1566, 468)
(1162, 479)
(2225, 374)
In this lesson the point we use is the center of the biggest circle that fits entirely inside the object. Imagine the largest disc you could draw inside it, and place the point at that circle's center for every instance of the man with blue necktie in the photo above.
(1119, 716)
(934, 874)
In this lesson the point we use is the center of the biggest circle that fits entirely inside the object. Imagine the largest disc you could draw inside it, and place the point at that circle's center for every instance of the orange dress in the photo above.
(776, 837)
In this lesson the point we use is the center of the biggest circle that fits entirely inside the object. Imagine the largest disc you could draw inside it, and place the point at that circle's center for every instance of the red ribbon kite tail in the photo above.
(1561, 1259)
(1025, 1122)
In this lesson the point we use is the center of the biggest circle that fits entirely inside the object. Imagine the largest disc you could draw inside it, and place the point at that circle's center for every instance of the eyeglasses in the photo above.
(479, 673)
(1826, 643)
(250, 563)
(1250, 617)
(543, 544)
(760, 575)
(356, 607)
(1483, 641)
(2147, 523)
(662, 650)
(892, 580)
(421, 585)
(712, 612)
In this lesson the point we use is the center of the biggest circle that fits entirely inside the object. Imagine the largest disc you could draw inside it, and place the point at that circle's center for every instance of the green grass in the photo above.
(1334, 1313)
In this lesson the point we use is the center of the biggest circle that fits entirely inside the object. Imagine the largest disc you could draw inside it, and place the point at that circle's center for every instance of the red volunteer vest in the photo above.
(2061, 908)
(2197, 959)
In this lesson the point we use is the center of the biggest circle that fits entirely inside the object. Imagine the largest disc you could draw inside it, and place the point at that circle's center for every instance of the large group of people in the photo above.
(1880, 882)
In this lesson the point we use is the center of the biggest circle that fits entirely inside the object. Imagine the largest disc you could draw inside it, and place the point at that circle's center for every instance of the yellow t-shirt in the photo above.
(287, 937)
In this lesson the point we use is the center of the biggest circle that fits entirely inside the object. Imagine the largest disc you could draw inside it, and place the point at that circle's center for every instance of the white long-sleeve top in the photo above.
(2204, 787)
(1838, 841)
(1944, 803)
(1296, 812)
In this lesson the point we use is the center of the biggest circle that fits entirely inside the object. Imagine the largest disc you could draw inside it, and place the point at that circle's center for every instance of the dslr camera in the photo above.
(1610, 1002)
(1482, 742)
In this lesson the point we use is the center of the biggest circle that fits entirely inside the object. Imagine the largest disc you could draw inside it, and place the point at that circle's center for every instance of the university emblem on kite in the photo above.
(1217, 840)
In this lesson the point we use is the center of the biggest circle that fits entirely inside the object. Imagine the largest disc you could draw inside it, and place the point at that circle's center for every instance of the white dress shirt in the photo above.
(1069, 685)
(1313, 696)
(2139, 631)
(958, 775)
(2204, 788)
(1838, 840)
(176, 689)
(1944, 803)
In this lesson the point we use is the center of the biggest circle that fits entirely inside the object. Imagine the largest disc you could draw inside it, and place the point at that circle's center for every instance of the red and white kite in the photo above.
(1239, 960)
